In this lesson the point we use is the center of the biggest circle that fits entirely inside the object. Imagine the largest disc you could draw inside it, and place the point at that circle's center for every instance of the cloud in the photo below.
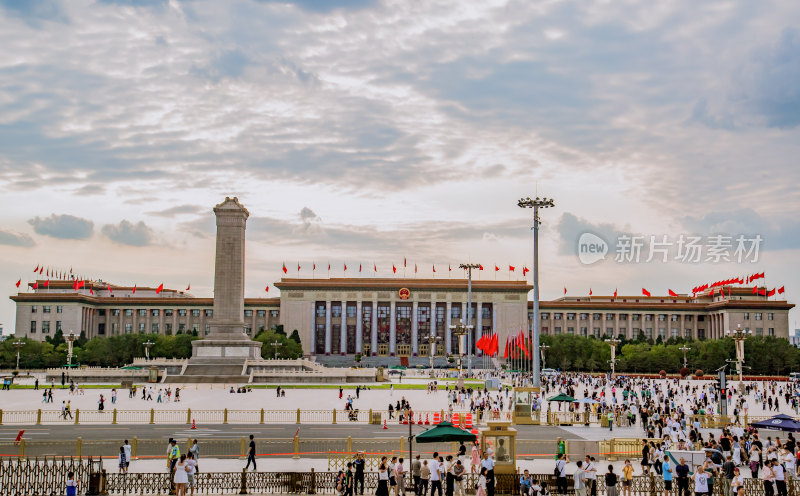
(570, 227)
(179, 210)
(777, 234)
(36, 11)
(90, 189)
(127, 233)
(325, 6)
(63, 226)
(11, 238)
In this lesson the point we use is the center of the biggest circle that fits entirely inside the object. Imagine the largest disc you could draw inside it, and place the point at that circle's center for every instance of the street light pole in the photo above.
(535, 205)
(147, 345)
(18, 345)
(685, 349)
(739, 335)
(542, 349)
(432, 340)
(276, 345)
(469, 267)
(613, 342)
(70, 338)
(459, 330)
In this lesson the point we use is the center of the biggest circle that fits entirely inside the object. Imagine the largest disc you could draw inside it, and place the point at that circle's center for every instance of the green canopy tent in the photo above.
(443, 433)
(562, 397)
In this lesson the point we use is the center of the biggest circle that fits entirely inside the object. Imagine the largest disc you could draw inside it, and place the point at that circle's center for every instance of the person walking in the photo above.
(561, 474)
(436, 480)
(191, 470)
(121, 459)
(488, 464)
(101, 404)
(458, 478)
(768, 477)
(251, 454)
(126, 448)
(400, 476)
(424, 478)
(579, 480)
(416, 466)
(666, 474)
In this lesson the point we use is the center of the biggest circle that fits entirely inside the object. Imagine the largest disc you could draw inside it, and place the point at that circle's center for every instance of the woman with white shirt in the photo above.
(737, 482)
(383, 478)
(481, 483)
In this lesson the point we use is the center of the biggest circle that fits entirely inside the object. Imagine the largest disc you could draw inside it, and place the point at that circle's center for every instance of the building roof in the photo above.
(368, 283)
(186, 301)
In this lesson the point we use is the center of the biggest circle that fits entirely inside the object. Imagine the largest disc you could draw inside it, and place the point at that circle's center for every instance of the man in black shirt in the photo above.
(359, 464)
(251, 454)
(727, 474)
(682, 473)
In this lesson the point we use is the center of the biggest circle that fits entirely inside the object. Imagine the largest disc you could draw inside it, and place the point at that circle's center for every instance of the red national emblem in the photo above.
(404, 293)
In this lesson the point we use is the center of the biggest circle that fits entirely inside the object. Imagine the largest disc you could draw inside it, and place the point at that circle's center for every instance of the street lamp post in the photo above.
(613, 342)
(432, 340)
(542, 349)
(70, 338)
(18, 345)
(276, 345)
(685, 349)
(469, 267)
(739, 335)
(459, 330)
(147, 345)
(535, 205)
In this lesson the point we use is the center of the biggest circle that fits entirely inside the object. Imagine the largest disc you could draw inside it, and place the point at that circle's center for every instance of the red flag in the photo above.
(449, 269)
(505, 353)
(762, 292)
(521, 343)
(314, 266)
(565, 290)
(81, 284)
(405, 262)
(91, 290)
(672, 293)
(284, 268)
(394, 269)
(755, 289)
(711, 293)
(160, 288)
(48, 272)
(46, 283)
(496, 268)
(329, 266)
(19, 282)
(187, 287)
(75, 285)
(345, 267)
(298, 266)
(266, 289)
(615, 292)
(134, 289)
(525, 270)
(110, 291)
(496, 345)
(590, 291)
(480, 267)
(780, 290)
(36, 269)
(771, 293)
(434, 267)
(511, 268)
(41, 271)
(481, 343)
(36, 285)
(374, 268)
(646, 292)
(359, 267)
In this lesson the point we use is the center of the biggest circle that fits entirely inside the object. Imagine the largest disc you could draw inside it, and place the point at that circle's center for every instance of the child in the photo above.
(123, 460)
(72, 486)
(482, 483)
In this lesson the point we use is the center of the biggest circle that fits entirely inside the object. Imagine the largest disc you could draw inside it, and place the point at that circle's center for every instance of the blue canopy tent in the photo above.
(778, 422)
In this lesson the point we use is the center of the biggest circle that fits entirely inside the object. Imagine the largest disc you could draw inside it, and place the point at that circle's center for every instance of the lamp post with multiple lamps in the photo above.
(739, 335)
(70, 338)
(685, 349)
(147, 345)
(468, 267)
(536, 204)
(460, 330)
(613, 342)
(432, 343)
(18, 345)
(276, 345)
(542, 349)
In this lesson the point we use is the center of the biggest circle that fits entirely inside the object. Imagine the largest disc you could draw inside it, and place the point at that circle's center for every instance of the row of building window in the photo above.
(662, 317)
(156, 312)
(46, 308)
(141, 327)
(403, 311)
(648, 332)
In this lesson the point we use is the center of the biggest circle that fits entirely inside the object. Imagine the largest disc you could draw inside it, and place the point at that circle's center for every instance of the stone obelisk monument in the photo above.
(221, 356)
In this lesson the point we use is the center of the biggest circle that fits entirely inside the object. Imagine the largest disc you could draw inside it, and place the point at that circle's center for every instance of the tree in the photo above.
(295, 336)
(288, 347)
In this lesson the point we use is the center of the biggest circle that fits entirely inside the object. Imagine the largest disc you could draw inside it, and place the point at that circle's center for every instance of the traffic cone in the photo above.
(193, 425)
(427, 419)
(384, 424)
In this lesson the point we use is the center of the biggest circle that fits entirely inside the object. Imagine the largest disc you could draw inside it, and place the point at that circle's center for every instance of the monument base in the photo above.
(218, 360)
(223, 348)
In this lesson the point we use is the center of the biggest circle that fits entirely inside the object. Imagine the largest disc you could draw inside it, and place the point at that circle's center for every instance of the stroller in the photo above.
(352, 415)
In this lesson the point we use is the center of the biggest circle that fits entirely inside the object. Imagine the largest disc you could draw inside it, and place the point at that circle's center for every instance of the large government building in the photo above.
(394, 317)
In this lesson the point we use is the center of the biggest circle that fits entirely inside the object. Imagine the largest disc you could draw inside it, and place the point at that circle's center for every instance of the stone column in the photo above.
(447, 323)
(478, 326)
(343, 337)
(328, 327)
(414, 327)
(392, 328)
(359, 326)
(432, 318)
(465, 317)
(374, 336)
(313, 347)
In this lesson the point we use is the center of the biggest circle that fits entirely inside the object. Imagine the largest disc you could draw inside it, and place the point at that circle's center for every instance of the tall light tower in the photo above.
(536, 204)
(613, 342)
(469, 267)
(70, 339)
(147, 344)
(276, 345)
(459, 330)
(432, 340)
(18, 345)
(739, 335)
(685, 349)
(542, 349)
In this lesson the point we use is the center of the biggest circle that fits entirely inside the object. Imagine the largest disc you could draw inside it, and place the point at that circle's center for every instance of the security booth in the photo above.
(525, 411)
(502, 439)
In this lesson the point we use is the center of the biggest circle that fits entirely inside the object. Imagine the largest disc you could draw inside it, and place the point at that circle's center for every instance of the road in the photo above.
(89, 432)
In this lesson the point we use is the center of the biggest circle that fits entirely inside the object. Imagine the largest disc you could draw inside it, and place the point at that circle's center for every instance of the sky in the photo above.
(369, 131)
